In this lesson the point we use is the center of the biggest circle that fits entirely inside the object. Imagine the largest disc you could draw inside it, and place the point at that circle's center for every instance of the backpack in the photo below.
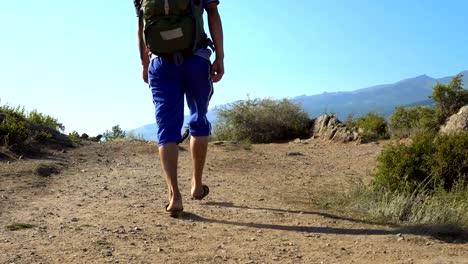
(173, 26)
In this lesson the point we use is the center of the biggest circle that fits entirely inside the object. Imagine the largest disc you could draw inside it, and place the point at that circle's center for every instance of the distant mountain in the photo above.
(381, 98)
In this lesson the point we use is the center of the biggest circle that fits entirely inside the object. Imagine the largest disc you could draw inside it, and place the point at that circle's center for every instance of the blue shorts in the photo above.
(169, 83)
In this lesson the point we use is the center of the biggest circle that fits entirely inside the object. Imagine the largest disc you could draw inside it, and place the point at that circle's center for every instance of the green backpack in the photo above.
(173, 26)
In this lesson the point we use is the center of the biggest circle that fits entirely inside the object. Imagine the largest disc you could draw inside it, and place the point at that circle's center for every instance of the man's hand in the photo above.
(217, 70)
(216, 30)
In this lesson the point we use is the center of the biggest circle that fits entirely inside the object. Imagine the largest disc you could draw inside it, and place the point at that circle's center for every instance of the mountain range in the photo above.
(381, 98)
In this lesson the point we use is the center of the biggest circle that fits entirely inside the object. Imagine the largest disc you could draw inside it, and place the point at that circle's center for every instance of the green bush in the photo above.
(406, 121)
(16, 112)
(13, 131)
(115, 133)
(261, 121)
(449, 98)
(40, 119)
(74, 135)
(430, 161)
(373, 126)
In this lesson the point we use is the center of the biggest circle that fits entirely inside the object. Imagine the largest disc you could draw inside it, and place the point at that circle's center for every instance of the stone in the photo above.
(457, 122)
(330, 128)
(44, 170)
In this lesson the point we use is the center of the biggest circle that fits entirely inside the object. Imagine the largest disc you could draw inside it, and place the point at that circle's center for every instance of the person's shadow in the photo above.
(446, 233)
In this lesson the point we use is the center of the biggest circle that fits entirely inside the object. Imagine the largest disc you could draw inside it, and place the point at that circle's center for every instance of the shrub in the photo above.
(74, 135)
(13, 131)
(406, 121)
(133, 136)
(45, 120)
(261, 121)
(116, 133)
(428, 162)
(373, 126)
(449, 98)
(439, 207)
(351, 122)
(16, 112)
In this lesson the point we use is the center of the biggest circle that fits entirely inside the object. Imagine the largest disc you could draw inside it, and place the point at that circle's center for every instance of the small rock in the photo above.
(132, 244)
(400, 237)
(160, 250)
(74, 219)
(294, 154)
(107, 253)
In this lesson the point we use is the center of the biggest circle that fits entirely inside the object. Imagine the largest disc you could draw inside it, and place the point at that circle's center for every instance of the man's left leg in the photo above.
(166, 86)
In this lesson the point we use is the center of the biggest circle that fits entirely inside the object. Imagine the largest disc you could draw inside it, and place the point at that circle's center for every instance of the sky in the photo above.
(78, 60)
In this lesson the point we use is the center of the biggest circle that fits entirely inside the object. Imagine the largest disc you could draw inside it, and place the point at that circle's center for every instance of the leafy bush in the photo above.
(261, 121)
(406, 121)
(13, 131)
(16, 112)
(449, 98)
(116, 133)
(373, 126)
(45, 120)
(430, 161)
(74, 135)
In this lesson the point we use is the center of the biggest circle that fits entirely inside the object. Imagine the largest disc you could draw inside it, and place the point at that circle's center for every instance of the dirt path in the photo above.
(106, 206)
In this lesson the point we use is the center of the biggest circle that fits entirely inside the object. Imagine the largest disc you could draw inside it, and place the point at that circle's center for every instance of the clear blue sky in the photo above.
(78, 60)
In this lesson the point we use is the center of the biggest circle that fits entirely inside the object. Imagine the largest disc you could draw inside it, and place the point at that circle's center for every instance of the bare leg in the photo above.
(169, 154)
(198, 148)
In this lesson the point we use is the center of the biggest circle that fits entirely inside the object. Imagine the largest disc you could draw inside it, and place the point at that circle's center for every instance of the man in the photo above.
(170, 77)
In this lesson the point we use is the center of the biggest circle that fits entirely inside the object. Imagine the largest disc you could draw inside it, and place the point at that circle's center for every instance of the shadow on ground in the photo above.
(445, 233)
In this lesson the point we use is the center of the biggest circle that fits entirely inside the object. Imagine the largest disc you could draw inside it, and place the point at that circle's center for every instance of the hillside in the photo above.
(104, 204)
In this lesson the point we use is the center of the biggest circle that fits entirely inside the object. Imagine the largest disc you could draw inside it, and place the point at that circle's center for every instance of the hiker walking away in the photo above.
(175, 54)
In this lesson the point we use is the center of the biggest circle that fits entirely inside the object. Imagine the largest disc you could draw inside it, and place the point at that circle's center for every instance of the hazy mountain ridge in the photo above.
(380, 98)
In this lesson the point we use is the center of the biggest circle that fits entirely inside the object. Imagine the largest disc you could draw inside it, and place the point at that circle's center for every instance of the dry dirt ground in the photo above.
(265, 206)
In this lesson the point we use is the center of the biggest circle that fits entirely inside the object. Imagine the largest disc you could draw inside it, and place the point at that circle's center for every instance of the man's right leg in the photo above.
(199, 90)
(198, 148)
